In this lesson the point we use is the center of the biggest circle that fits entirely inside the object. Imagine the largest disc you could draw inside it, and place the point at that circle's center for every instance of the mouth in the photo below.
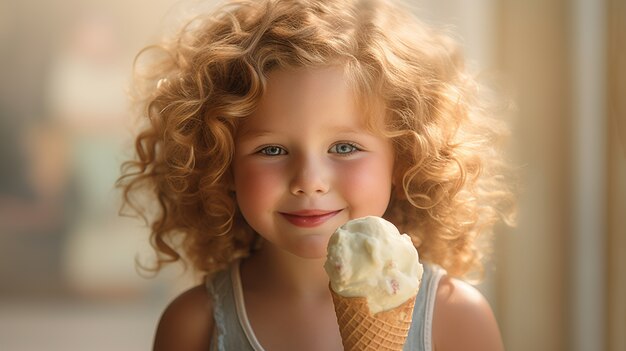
(309, 218)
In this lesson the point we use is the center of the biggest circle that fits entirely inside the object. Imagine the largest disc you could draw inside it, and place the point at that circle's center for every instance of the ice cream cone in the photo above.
(361, 330)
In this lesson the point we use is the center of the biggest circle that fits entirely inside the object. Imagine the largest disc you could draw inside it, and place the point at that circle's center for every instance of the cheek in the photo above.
(367, 182)
(255, 185)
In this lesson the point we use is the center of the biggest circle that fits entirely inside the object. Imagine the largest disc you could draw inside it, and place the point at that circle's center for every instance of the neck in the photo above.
(271, 268)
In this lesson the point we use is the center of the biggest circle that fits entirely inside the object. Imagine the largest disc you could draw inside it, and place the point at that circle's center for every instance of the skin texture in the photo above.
(463, 319)
(186, 323)
(307, 149)
(305, 164)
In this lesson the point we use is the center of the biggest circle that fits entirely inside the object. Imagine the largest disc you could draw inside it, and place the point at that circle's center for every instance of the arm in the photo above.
(463, 319)
(187, 323)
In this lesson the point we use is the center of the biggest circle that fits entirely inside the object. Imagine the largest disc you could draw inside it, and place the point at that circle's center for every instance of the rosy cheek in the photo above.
(366, 180)
(256, 181)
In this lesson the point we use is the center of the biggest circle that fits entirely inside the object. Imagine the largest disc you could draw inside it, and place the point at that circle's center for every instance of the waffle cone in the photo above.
(360, 330)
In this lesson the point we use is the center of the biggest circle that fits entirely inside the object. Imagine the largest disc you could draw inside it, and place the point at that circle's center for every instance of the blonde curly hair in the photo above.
(211, 75)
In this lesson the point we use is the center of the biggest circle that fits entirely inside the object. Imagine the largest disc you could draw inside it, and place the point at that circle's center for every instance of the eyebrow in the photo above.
(251, 133)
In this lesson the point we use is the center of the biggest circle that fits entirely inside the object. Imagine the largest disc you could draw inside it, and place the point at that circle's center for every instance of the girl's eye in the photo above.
(344, 148)
(273, 150)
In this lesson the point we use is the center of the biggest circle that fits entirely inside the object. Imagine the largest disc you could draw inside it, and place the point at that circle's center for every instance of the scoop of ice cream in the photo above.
(368, 257)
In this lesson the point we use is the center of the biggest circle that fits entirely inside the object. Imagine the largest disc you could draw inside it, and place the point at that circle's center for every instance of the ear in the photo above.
(396, 182)
(397, 192)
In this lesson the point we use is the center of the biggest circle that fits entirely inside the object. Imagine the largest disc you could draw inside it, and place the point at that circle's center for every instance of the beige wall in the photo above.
(616, 258)
(561, 274)
(531, 259)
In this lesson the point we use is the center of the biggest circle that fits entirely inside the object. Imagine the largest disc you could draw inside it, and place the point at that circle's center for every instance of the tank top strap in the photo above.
(420, 334)
(228, 333)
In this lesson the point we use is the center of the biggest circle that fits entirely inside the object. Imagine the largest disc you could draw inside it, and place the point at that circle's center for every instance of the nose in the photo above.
(310, 177)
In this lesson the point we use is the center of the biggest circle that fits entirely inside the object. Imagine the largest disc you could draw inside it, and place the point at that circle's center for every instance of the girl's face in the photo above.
(305, 163)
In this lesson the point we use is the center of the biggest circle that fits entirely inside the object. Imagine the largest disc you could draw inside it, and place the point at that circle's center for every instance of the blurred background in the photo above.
(67, 277)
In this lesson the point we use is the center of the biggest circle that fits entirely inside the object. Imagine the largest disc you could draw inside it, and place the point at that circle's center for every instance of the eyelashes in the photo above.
(344, 148)
(341, 148)
(272, 150)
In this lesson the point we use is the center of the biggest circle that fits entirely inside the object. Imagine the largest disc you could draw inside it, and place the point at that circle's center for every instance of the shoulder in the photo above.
(463, 319)
(186, 323)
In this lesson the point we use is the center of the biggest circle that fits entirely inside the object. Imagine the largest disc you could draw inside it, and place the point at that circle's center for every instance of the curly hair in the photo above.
(200, 85)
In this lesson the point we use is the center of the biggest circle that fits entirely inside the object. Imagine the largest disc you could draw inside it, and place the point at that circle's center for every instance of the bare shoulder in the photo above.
(463, 319)
(186, 323)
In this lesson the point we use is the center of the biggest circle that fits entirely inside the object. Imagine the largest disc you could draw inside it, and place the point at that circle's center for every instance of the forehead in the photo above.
(322, 95)
(307, 89)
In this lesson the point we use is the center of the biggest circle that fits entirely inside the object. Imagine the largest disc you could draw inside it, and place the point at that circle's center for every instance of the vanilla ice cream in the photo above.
(368, 257)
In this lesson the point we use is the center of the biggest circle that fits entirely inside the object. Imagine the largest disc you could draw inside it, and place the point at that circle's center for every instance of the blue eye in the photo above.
(273, 150)
(344, 148)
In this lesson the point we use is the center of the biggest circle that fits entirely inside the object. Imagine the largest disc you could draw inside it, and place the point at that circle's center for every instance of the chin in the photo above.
(311, 248)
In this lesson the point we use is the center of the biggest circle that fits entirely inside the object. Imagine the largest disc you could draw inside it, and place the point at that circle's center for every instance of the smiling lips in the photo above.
(309, 218)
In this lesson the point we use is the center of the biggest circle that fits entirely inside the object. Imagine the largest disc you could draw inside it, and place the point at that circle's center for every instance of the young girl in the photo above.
(272, 123)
